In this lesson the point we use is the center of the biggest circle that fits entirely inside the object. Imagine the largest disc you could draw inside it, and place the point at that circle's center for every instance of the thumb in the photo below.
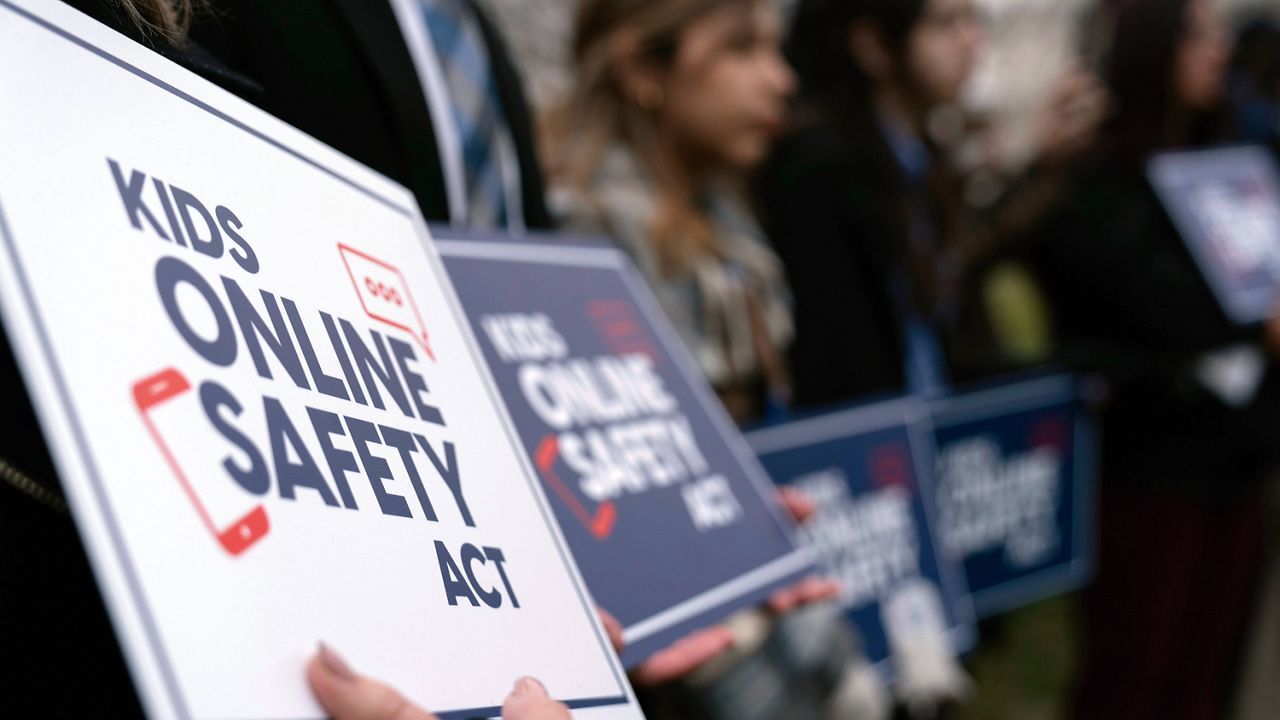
(348, 696)
(529, 701)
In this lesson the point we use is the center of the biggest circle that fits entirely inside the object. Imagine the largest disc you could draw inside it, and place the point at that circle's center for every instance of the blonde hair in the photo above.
(597, 113)
(169, 19)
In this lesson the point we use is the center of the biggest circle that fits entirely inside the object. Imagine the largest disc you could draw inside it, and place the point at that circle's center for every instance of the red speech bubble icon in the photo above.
(384, 294)
(621, 330)
(890, 465)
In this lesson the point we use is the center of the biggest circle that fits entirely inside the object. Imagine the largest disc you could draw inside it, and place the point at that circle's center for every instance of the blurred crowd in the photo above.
(837, 200)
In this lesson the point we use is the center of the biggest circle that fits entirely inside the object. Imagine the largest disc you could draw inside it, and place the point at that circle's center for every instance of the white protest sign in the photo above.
(272, 423)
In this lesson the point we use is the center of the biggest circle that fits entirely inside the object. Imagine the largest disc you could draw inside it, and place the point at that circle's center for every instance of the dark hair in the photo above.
(819, 47)
(836, 93)
(834, 89)
(1140, 73)
(1257, 56)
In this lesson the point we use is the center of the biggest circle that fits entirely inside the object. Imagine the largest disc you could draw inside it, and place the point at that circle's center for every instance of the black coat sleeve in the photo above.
(1120, 277)
(847, 339)
(338, 70)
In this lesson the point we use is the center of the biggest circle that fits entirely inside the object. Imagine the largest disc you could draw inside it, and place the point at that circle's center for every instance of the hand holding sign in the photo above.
(348, 696)
(674, 525)
(698, 648)
(811, 589)
(683, 656)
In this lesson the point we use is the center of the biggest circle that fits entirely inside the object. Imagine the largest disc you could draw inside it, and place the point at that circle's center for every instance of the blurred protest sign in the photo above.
(1015, 472)
(1225, 203)
(868, 471)
(668, 512)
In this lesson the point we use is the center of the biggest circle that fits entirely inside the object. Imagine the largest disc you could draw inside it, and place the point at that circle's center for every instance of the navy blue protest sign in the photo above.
(867, 471)
(1015, 470)
(1225, 203)
(667, 512)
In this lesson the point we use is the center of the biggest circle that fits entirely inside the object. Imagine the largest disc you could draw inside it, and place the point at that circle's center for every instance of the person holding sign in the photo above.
(51, 613)
(1191, 426)
(349, 696)
(673, 102)
(857, 201)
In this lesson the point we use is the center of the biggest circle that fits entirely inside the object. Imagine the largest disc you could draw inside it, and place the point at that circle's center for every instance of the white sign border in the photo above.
(538, 251)
(913, 414)
(65, 421)
(1022, 396)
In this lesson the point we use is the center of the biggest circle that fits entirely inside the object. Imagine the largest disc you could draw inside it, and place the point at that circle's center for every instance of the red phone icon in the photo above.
(601, 523)
(156, 389)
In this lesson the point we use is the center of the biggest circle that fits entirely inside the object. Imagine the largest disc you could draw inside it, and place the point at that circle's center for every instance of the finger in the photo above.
(529, 701)
(348, 696)
(810, 590)
(797, 504)
(781, 600)
(817, 589)
(612, 628)
(686, 655)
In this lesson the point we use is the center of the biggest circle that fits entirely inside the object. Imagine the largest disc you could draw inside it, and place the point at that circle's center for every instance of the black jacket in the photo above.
(1129, 301)
(834, 202)
(836, 230)
(339, 70)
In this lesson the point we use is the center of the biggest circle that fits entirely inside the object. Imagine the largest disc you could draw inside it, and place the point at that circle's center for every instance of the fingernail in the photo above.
(334, 663)
(529, 686)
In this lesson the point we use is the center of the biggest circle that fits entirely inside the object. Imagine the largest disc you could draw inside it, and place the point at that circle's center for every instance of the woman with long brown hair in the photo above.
(673, 102)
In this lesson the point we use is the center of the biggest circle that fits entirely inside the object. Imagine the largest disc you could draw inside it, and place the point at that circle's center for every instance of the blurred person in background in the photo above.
(1255, 83)
(1182, 459)
(672, 103)
(856, 203)
(1004, 203)
(865, 219)
(870, 200)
